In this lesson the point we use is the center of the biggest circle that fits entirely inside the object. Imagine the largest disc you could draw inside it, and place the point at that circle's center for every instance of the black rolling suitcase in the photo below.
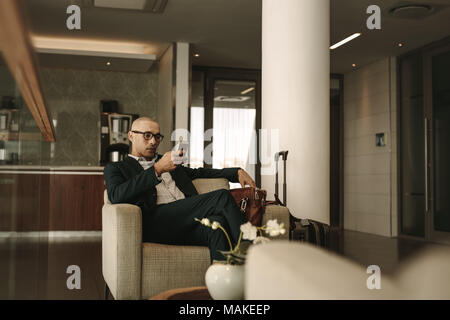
(311, 231)
(307, 230)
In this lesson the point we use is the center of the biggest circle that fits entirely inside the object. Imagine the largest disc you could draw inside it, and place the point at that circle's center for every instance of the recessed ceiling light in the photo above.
(196, 55)
(108, 63)
(340, 43)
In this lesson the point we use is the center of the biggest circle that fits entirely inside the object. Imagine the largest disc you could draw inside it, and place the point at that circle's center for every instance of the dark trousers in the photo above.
(174, 223)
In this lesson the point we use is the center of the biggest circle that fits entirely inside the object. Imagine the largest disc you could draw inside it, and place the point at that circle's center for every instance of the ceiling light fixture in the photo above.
(353, 65)
(154, 6)
(340, 43)
(231, 99)
(95, 47)
(400, 44)
(412, 11)
(248, 90)
(196, 55)
(108, 63)
(118, 4)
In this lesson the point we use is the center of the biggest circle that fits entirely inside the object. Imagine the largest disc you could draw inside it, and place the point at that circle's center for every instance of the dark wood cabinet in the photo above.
(50, 202)
(20, 201)
(76, 202)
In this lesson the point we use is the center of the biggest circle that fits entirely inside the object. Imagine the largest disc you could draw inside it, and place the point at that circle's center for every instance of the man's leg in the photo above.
(174, 223)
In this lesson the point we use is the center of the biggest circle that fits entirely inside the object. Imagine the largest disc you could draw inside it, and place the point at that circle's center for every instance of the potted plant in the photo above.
(225, 279)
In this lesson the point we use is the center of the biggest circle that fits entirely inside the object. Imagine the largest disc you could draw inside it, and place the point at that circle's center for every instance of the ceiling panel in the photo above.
(227, 33)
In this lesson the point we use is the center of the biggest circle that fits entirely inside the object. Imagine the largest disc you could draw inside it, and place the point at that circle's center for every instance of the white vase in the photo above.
(225, 281)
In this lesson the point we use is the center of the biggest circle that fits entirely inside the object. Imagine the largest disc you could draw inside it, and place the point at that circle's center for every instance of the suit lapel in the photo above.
(183, 182)
(133, 164)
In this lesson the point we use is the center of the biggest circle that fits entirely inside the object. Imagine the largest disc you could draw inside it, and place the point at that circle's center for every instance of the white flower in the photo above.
(274, 229)
(205, 222)
(261, 240)
(215, 225)
(248, 231)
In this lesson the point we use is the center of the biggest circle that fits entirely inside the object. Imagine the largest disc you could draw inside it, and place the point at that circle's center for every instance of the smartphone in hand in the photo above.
(180, 141)
(179, 152)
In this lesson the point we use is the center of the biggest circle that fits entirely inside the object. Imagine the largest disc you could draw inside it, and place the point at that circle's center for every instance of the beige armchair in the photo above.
(136, 270)
(301, 271)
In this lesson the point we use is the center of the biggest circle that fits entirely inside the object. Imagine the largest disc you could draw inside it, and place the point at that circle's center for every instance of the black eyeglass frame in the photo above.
(157, 136)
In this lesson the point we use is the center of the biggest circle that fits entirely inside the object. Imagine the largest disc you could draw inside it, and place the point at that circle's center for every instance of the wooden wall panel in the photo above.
(44, 203)
(24, 202)
(76, 202)
(27, 202)
(7, 186)
(56, 202)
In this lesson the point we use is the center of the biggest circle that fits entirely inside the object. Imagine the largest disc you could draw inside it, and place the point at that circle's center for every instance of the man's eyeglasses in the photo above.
(148, 135)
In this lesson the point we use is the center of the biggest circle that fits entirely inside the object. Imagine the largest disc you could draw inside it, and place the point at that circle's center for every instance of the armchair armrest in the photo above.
(204, 185)
(282, 215)
(122, 249)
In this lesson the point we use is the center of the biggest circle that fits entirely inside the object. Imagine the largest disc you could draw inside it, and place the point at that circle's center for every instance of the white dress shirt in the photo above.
(166, 191)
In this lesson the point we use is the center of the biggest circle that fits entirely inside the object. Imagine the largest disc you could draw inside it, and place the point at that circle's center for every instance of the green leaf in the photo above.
(234, 258)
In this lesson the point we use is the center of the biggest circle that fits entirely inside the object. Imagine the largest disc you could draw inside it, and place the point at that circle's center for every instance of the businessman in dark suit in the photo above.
(144, 177)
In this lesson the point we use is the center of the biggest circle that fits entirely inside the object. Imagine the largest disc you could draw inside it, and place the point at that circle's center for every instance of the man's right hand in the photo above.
(169, 162)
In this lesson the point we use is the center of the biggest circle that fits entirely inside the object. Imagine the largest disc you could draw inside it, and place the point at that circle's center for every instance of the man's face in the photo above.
(140, 146)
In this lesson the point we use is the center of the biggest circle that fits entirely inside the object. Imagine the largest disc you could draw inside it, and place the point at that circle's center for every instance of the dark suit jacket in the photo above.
(127, 182)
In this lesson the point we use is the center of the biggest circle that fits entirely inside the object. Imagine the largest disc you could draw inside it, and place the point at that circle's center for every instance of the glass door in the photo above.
(437, 123)
(234, 117)
(224, 119)
(412, 160)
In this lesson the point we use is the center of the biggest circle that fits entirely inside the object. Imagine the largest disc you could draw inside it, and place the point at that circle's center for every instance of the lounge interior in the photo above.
(366, 124)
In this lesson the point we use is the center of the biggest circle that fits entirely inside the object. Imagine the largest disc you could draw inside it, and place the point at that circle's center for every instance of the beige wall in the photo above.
(370, 173)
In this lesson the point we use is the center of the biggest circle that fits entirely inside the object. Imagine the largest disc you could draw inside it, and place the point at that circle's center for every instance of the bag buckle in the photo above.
(243, 204)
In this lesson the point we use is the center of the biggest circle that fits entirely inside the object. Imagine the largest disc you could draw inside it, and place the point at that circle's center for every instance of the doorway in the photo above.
(425, 140)
(225, 117)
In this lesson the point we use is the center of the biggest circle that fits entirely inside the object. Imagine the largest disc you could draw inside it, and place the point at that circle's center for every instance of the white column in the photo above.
(182, 90)
(166, 98)
(296, 100)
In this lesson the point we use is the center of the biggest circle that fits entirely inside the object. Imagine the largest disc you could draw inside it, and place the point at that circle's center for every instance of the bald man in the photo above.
(163, 189)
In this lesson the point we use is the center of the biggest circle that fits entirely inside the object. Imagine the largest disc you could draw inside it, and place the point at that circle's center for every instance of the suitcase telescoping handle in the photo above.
(283, 155)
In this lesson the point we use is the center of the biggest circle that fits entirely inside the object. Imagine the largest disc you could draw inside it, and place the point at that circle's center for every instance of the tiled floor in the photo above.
(368, 249)
(33, 269)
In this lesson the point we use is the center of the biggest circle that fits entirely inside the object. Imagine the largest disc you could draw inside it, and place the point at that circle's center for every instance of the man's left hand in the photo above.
(244, 179)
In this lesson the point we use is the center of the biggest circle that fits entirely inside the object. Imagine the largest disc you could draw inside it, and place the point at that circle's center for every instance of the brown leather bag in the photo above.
(251, 202)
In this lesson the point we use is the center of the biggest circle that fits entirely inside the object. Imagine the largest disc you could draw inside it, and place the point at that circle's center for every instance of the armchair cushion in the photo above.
(167, 267)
